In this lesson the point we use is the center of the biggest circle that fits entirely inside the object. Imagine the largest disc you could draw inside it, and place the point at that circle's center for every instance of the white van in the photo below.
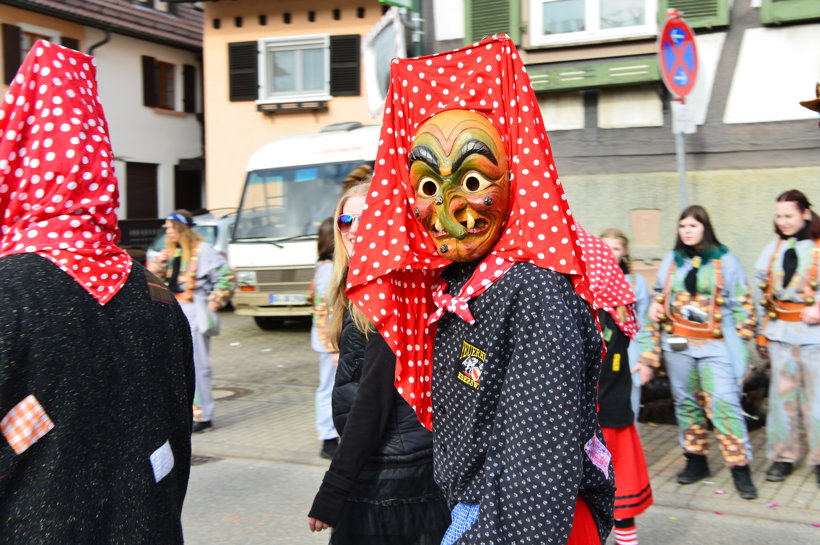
(293, 184)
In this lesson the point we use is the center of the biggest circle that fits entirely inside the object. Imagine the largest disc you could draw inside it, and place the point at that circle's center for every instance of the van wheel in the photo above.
(267, 323)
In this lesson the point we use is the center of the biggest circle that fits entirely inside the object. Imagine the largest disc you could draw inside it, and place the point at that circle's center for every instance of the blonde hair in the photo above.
(188, 239)
(337, 300)
(362, 174)
(620, 236)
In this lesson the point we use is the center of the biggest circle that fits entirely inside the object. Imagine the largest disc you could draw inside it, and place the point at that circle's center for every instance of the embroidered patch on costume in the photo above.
(25, 424)
(162, 460)
(472, 365)
(598, 454)
(157, 290)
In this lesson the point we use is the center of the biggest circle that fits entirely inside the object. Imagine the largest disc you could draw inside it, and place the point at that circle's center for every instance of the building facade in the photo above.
(280, 68)
(149, 70)
(594, 65)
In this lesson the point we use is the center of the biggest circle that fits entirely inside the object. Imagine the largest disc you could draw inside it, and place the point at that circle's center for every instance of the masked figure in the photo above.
(468, 263)
(96, 363)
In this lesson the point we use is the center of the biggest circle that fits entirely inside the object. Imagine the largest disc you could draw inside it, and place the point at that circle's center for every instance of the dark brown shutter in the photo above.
(71, 43)
(188, 88)
(242, 71)
(11, 51)
(141, 190)
(345, 55)
(149, 82)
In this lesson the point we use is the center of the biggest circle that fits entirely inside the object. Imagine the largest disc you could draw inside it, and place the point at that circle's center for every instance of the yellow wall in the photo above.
(233, 130)
(15, 16)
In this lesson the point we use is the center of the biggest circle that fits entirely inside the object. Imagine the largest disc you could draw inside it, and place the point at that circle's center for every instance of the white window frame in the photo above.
(53, 35)
(291, 43)
(593, 34)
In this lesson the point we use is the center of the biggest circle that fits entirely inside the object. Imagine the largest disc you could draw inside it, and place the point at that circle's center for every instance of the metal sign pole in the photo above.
(678, 59)
(680, 152)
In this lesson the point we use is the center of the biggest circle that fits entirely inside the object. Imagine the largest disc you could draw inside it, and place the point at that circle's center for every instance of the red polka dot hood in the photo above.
(612, 292)
(58, 191)
(394, 267)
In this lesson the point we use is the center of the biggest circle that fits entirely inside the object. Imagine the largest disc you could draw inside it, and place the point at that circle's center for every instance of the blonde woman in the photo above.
(379, 488)
(202, 282)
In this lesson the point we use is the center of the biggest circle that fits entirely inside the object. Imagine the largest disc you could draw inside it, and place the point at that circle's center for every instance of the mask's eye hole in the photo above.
(474, 182)
(428, 187)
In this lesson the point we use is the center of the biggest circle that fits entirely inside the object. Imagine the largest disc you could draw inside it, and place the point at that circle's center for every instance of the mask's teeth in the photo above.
(470, 221)
(439, 226)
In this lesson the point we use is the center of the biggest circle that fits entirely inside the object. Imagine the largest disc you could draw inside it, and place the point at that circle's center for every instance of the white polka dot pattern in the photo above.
(608, 282)
(489, 78)
(58, 191)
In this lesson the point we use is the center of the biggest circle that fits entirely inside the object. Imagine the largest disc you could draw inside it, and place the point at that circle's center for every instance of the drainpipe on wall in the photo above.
(104, 41)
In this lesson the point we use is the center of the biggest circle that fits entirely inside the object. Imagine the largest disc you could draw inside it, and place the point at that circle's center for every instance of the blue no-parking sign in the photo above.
(678, 56)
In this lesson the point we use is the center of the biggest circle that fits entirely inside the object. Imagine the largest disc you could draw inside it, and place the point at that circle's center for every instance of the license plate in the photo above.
(287, 298)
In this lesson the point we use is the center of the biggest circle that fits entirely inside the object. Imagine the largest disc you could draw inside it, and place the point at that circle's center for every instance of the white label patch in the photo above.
(598, 454)
(162, 460)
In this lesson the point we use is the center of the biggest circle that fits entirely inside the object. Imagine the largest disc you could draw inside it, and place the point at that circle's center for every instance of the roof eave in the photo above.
(118, 29)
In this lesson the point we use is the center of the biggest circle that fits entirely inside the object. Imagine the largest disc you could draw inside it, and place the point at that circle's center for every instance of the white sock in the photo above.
(626, 536)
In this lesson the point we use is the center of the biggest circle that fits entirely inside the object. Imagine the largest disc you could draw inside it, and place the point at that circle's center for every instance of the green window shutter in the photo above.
(488, 17)
(697, 13)
(594, 76)
(782, 11)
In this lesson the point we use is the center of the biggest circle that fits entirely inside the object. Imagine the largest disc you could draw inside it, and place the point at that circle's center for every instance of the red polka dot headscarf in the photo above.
(395, 268)
(58, 191)
(609, 286)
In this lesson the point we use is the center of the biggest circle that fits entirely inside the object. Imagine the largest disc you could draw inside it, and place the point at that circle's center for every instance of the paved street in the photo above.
(255, 474)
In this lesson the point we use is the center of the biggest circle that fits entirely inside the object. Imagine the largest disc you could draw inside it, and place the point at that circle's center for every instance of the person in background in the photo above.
(96, 363)
(320, 341)
(359, 175)
(813, 104)
(706, 315)
(616, 304)
(787, 295)
(379, 489)
(618, 242)
(202, 281)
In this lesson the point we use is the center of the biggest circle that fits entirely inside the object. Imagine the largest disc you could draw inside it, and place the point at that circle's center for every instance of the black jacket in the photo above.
(403, 438)
(117, 381)
(377, 427)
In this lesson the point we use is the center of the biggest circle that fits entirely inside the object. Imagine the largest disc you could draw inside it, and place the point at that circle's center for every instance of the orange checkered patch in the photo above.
(25, 424)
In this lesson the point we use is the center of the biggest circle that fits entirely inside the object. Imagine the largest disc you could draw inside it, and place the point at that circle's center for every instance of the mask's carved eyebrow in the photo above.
(470, 148)
(424, 154)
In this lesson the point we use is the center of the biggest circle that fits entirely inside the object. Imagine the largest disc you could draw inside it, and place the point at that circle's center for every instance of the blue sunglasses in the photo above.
(346, 220)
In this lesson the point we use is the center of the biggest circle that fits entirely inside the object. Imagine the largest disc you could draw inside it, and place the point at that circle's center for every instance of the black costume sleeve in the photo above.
(363, 430)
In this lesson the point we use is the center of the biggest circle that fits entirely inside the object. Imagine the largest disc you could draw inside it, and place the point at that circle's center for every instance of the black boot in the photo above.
(329, 448)
(778, 471)
(817, 474)
(696, 469)
(743, 482)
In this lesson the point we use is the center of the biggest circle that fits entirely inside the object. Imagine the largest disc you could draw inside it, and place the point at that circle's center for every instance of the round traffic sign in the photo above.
(678, 57)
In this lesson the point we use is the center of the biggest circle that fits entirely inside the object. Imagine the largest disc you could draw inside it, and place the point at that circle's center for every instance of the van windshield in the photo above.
(280, 203)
